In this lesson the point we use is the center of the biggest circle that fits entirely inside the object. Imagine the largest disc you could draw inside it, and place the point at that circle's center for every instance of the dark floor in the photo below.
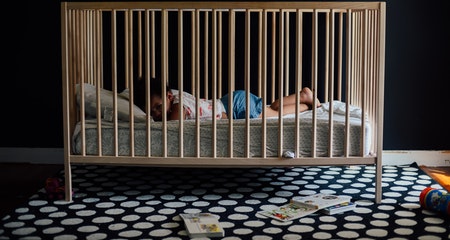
(19, 181)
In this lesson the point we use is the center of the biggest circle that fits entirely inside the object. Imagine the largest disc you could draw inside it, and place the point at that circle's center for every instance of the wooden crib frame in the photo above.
(347, 39)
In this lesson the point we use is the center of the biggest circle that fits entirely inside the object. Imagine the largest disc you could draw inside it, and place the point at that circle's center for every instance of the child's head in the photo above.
(155, 97)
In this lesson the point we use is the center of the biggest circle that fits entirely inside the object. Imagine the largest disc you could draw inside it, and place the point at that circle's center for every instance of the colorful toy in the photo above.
(54, 188)
(435, 199)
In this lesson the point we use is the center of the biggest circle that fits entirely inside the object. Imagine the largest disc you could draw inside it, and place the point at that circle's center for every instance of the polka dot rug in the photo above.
(117, 202)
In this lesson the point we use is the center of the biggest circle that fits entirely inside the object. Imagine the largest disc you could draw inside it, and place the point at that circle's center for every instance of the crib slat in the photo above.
(149, 60)
(314, 63)
(231, 74)
(180, 83)
(214, 82)
(298, 76)
(263, 71)
(247, 82)
(349, 64)
(280, 83)
(164, 74)
(273, 65)
(197, 80)
(129, 76)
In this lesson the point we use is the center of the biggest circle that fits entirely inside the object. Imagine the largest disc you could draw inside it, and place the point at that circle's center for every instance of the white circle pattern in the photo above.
(116, 202)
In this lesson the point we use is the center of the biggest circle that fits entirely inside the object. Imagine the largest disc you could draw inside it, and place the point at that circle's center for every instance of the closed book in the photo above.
(288, 212)
(199, 225)
(339, 208)
(320, 200)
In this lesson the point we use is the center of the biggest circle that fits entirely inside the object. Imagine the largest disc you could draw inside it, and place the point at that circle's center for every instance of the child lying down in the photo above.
(205, 105)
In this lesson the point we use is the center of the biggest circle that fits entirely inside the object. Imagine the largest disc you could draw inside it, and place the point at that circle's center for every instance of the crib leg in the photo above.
(68, 182)
(378, 182)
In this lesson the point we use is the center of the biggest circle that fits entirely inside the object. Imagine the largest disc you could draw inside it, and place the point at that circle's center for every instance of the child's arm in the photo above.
(175, 112)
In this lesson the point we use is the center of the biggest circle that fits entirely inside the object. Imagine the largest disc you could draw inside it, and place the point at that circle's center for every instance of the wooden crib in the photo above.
(208, 49)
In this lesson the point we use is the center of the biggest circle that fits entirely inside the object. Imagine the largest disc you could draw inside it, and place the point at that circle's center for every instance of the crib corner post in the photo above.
(68, 181)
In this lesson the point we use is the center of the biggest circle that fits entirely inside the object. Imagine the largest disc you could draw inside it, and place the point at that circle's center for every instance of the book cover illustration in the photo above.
(288, 212)
(320, 200)
(202, 225)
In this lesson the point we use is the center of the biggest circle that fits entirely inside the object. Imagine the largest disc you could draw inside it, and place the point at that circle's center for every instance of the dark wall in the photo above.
(416, 94)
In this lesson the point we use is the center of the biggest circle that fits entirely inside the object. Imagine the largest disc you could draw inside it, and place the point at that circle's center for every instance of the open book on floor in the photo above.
(200, 225)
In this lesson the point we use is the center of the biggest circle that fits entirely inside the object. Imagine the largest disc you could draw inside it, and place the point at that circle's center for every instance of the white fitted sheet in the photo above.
(239, 137)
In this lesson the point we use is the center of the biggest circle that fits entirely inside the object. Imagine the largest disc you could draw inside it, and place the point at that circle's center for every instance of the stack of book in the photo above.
(305, 205)
(200, 225)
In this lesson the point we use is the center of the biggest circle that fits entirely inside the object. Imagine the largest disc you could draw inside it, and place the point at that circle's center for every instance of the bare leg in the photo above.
(306, 97)
(287, 109)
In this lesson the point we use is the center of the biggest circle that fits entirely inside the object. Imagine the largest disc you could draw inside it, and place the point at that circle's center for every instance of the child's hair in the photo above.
(139, 91)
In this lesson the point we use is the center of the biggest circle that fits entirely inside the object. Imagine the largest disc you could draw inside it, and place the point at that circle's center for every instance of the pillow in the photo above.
(106, 103)
(340, 108)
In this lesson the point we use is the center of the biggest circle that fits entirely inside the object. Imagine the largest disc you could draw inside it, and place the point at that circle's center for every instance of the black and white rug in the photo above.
(117, 202)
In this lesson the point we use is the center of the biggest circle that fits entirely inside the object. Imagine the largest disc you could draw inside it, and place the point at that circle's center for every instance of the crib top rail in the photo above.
(224, 5)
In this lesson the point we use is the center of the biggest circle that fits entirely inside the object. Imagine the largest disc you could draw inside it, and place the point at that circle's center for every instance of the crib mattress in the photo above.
(239, 136)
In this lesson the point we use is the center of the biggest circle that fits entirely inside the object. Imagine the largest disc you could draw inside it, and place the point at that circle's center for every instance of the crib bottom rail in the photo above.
(224, 162)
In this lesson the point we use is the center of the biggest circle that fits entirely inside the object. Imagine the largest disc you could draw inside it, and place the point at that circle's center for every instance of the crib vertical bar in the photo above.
(365, 80)
(197, 81)
(280, 83)
(326, 65)
(127, 42)
(355, 54)
(247, 82)
(89, 58)
(340, 56)
(153, 54)
(80, 53)
(273, 62)
(139, 42)
(219, 54)
(214, 81)
(149, 41)
(193, 52)
(98, 70)
(314, 63)
(89, 50)
(206, 55)
(264, 82)
(164, 74)
(371, 98)
(358, 70)
(231, 76)
(114, 78)
(349, 77)
(260, 34)
(298, 76)
(129, 70)
(180, 82)
(286, 55)
(330, 96)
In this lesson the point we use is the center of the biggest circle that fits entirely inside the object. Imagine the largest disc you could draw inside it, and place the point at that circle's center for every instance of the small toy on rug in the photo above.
(435, 199)
(54, 187)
